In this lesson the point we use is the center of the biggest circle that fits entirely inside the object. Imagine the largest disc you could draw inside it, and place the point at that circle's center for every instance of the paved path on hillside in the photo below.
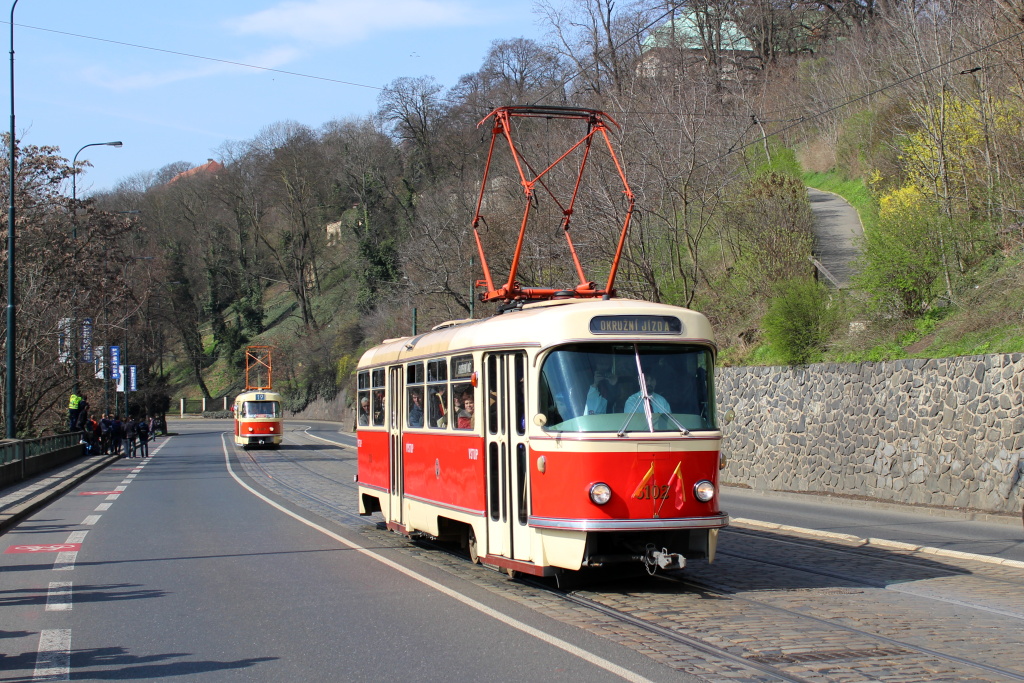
(837, 234)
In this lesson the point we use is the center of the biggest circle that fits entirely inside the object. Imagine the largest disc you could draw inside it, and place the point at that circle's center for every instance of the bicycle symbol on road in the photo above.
(43, 548)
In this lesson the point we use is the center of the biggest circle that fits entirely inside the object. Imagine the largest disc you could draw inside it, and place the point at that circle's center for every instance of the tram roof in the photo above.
(250, 395)
(542, 325)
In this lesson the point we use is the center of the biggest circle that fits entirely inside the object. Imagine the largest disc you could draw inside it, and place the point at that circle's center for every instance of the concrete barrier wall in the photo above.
(334, 410)
(946, 432)
(14, 472)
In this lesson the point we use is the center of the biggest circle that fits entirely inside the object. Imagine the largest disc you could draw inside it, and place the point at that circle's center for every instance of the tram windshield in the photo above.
(621, 388)
(261, 409)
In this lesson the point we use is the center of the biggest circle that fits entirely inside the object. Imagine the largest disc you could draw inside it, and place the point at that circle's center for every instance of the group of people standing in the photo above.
(113, 434)
(128, 438)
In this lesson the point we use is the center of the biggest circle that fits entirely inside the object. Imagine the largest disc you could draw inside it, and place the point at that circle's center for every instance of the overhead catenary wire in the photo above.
(137, 46)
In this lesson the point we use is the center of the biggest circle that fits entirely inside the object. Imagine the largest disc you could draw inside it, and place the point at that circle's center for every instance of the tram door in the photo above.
(507, 467)
(394, 399)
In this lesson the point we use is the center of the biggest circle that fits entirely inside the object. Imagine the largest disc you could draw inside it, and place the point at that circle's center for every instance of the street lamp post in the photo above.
(74, 236)
(10, 408)
(74, 184)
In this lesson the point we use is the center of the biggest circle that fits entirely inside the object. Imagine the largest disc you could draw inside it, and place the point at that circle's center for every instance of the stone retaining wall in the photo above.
(946, 431)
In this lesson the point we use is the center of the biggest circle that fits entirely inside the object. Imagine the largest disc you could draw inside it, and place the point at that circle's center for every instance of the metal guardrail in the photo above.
(17, 450)
(197, 406)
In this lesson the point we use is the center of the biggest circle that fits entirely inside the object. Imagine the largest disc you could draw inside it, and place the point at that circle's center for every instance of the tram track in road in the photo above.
(725, 592)
(303, 492)
(922, 570)
(873, 552)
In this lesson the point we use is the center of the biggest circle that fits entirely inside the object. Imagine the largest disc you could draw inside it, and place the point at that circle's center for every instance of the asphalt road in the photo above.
(948, 530)
(179, 568)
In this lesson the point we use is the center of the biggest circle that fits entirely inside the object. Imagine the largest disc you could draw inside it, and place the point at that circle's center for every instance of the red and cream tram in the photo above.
(559, 435)
(258, 419)
(571, 430)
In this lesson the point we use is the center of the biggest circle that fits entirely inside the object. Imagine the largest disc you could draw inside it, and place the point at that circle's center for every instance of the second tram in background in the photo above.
(257, 410)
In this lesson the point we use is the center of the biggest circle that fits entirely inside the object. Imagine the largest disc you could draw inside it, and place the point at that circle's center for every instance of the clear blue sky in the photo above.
(71, 90)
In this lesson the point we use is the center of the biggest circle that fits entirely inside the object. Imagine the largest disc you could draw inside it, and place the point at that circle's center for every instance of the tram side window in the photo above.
(437, 394)
(363, 398)
(414, 382)
(377, 403)
(463, 395)
(520, 393)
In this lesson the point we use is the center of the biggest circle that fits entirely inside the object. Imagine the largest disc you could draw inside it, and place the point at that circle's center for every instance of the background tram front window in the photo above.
(596, 387)
(261, 409)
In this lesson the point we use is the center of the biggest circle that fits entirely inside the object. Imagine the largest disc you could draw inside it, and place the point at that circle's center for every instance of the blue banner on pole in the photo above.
(115, 362)
(85, 347)
(132, 374)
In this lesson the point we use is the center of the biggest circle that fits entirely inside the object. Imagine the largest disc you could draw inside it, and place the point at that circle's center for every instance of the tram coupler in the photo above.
(655, 559)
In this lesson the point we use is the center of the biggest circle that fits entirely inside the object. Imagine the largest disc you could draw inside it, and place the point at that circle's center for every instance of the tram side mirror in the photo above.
(730, 416)
(540, 419)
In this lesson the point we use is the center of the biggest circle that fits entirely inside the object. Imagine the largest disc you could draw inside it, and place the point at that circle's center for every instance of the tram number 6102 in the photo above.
(654, 492)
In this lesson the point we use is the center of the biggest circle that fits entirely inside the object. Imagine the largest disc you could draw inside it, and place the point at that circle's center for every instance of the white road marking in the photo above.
(53, 659)
(58, 599)
(113, 496)
(314, 436)
(65, 561)
(597, 661)
(90, 520)
(123, 481)
(120, 488)
(77, 536)
(102, 507)
(878, 542)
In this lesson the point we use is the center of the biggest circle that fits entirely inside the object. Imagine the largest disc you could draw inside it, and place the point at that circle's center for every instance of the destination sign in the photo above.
(635, 324)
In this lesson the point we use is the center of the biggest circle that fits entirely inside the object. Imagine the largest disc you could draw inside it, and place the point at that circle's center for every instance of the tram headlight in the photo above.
(600, 493)
(250, 429)
(704, 491)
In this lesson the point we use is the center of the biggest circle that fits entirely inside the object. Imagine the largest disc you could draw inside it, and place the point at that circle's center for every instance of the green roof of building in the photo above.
(684, 32)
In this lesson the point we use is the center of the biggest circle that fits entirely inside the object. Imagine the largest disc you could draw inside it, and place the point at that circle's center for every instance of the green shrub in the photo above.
(799, 321)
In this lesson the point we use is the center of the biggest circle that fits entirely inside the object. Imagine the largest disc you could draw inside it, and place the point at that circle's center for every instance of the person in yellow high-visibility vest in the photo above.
(74, 408)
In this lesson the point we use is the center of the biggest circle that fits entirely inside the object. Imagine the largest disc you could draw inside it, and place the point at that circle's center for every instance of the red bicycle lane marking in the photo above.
(43, 548)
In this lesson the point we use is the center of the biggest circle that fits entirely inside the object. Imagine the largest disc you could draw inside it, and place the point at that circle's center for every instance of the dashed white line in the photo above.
(77, 536)
(90, 520)
(65, 561)
(124, 481)
(113, 496)
(102, 507)
(120, 488)
(53, 659)
(58, 598)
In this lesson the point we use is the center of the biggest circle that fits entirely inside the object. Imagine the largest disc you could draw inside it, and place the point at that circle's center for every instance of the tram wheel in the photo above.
(512, 573)
(471, 546)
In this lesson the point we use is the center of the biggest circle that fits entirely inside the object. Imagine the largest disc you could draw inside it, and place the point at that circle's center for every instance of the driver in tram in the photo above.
(635, 402)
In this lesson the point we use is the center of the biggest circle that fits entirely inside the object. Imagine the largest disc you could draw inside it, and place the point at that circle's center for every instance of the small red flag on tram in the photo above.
(681, 493)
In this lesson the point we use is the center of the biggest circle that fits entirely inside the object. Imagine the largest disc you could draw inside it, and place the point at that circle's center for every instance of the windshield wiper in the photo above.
(645, 400)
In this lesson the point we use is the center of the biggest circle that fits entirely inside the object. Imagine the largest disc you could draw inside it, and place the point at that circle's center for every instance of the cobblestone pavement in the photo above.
(796, 607)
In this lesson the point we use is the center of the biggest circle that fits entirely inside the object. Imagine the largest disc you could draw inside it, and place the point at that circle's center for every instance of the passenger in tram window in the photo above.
(364, 409)
(436, 411)
(416, 407)
(465, 414)
(378, 408)
(635, 403)
(599, 397)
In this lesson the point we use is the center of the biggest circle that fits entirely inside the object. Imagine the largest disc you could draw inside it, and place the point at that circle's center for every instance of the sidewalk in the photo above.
(22, 499)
